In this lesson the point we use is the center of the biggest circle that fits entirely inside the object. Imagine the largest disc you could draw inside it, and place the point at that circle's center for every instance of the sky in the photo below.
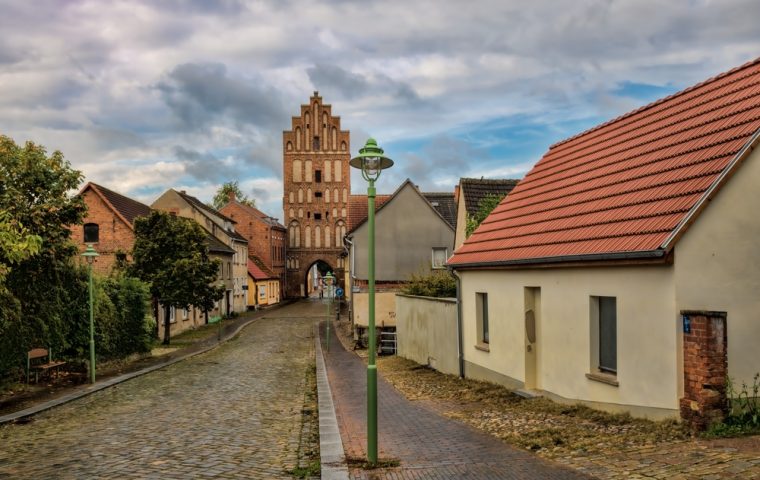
(187, 94)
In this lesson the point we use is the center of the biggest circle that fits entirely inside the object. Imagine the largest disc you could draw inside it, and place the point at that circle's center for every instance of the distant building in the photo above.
(108, 225)
(411, 237)
(468, 195)
(263, 284)
(267, 238)
(222, 228)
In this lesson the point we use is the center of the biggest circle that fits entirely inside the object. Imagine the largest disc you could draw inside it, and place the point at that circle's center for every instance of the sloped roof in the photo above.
(445, 204)
(217, 246)
(211, 211)
(476, 189)
(358, 207)
(255, 212)
(127, 208)
(258, 270)
(628, 187)
(390, 198)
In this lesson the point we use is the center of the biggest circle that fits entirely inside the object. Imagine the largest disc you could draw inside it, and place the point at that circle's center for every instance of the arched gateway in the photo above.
(316, 181)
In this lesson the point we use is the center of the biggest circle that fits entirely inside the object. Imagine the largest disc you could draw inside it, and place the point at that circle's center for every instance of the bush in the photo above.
(440, 284)
(743, 407)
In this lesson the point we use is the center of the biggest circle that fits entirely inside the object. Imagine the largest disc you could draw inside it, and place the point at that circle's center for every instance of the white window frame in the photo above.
(445, 257)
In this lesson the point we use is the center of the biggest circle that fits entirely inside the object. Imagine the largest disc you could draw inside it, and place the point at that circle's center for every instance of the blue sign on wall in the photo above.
(686, 323)
(339, 292)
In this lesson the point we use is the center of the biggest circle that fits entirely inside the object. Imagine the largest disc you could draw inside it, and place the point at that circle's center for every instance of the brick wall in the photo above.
(114, 234)
(705, 367)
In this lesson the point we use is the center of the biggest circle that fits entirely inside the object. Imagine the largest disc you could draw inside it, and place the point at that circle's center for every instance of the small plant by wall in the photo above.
(743, 406)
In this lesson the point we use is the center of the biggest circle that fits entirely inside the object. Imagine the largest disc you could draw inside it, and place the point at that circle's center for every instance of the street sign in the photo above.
(339, 292)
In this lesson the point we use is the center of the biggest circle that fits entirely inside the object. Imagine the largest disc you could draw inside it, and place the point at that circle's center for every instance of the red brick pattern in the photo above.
(705, 368)
(315, 138)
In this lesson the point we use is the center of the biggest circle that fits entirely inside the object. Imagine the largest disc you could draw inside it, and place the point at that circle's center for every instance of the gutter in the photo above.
(460, 340)
(347, 240)
(644, 255)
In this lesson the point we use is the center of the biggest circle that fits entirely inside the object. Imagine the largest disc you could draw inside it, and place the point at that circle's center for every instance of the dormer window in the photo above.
(91, 233)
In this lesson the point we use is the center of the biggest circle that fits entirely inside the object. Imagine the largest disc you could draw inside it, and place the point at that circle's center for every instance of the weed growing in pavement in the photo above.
(743, 408)
(359, 462)
(312, 470)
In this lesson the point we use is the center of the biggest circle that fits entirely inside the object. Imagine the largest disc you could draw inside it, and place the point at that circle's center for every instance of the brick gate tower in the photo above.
(317, 183)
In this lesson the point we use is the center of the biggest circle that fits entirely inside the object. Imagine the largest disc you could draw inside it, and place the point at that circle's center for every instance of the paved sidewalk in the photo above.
(426, 444)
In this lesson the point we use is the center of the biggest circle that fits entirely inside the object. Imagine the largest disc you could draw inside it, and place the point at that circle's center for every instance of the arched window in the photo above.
(335, 212)
(298, 238)
(345, 196)
(290, 146)
(328, 170)
(334, 138)
(308, 195)
(307, 237)
(317, 237)
(298, 138)
(300, 195)
(292, 234)
(300, 213)
(307, 137)
(338, 171)
(307, 118)
(343, 146)
(327, 237)
(335, 195)
(343, 212)
(91, 233)
(291, 197)
(327, 197)
(291, 213)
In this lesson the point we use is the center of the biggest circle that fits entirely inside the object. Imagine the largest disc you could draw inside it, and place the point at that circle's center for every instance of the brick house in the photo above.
(622, 271)
(267, 238)
(108, 225)
(223, 229)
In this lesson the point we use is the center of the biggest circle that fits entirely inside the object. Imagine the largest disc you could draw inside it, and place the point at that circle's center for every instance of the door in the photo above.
(532, 324)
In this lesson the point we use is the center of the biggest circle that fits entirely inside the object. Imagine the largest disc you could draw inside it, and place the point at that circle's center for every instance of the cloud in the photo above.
(204, 167)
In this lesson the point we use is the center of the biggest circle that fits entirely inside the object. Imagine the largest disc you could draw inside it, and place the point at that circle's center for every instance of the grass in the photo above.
(313, 469)
(536, 424)
(359, 462)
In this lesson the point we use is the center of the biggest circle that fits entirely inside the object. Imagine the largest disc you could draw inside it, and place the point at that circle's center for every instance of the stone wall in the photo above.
(426, 331)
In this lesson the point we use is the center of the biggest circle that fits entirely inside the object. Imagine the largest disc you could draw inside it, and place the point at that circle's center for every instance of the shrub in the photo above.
(436, 284)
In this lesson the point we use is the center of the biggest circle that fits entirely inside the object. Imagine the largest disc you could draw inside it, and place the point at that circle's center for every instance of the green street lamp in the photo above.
(328, 283)
(371, 161)
(90, 255)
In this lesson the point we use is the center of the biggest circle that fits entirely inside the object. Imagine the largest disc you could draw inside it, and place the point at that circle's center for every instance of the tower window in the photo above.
(318, 176)
(318, 194)
(317, 216)
(316, 143)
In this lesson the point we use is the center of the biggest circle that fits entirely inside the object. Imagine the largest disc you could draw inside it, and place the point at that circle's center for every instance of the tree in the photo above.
(38, 210)
(485, 207)
(223, 194)
(171, 254)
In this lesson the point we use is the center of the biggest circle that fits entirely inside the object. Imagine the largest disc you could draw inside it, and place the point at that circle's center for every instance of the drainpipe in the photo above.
(351, 261)
(460, 341)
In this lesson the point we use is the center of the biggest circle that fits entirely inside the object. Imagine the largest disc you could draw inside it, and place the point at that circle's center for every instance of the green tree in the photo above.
(485, 207)
(170, 253)
(223, 194)
(16, 244)
(51, 289)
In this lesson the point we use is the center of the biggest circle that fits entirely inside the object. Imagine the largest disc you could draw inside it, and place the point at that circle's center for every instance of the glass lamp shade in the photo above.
(90, 254)
(371, 159)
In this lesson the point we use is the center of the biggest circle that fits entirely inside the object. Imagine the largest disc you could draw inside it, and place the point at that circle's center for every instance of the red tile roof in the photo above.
(123, 206)
(358, 207)
(258, 270)
(628, 186)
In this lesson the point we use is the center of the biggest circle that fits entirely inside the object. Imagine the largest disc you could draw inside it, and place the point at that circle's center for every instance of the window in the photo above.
(481, 307)
(318, 176)
(317, 216)
(318, 194)
(316, 143)
(229, 270)
(185, 314)
(440, 254)
(91, 233)
(604, 334)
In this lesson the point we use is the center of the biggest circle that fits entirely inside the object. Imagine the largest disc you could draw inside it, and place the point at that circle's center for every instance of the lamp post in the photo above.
(371, 161)
(90, 254)
(328, 283)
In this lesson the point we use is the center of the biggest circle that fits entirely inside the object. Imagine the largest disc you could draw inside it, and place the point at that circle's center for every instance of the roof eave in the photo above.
(653, 256)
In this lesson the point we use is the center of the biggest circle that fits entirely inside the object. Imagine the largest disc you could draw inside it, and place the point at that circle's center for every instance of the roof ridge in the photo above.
(648, 106)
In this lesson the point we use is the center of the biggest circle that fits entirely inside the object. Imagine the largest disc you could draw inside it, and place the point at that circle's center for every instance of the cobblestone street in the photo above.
(234, 412)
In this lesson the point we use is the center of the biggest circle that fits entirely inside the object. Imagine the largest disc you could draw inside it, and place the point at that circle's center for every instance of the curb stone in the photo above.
(332, 456)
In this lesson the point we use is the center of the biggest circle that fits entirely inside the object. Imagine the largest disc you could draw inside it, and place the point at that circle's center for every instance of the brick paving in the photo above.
(426, 444)
(234, 412)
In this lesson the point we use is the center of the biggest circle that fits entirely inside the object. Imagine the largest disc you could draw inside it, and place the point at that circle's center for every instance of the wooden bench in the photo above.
(39, 361)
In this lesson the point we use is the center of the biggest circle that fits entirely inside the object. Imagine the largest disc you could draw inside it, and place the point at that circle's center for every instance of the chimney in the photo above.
(183, 192)
(231, 196)
(456, 194)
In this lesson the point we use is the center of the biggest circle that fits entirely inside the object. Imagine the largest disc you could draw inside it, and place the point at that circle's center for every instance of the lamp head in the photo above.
(90, 254)
(329, 278)
(371, 160)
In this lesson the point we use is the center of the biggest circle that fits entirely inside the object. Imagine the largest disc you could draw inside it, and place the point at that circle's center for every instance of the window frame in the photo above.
(604, 339)
(85, 232)
(482, 321)
(445, 257)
